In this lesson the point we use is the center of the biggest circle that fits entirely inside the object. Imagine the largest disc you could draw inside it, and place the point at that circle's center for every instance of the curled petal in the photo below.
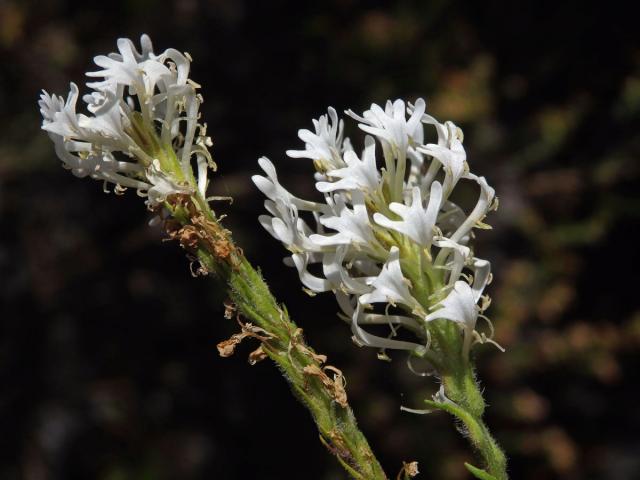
(481, 276)
(335, 271)
(485, 201)
(317, 284)
(364, 338)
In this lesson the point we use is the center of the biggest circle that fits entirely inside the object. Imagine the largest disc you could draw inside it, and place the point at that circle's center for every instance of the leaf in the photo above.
(478, 473)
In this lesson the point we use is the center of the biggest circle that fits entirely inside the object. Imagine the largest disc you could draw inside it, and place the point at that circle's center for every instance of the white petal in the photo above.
(353, 226)
(459, 306)
(357, 174)
(312, 282)
(390, 286)
(481, 276)
(362, 337)
(272, 189)
(417, 223)
(485, 200)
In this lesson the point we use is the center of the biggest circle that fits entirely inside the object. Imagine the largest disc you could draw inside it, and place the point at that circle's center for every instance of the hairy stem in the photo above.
(318, 386)
(463, 399)
(467, 406)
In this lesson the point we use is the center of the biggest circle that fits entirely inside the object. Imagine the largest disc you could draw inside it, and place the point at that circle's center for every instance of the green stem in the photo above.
(465, 402)
(319, 388)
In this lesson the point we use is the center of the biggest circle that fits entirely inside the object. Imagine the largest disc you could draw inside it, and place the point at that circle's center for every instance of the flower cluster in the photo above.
(388, 240)
(141, 130)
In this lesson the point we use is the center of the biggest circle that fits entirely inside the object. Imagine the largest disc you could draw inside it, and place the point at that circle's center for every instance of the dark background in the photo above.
(108, 365)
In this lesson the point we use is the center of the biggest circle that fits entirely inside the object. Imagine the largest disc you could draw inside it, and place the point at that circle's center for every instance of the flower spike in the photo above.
(387, 240)
(142, 129)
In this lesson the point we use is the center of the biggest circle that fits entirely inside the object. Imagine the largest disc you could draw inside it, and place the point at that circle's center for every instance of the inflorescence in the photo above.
(142, 130)
(388, 240)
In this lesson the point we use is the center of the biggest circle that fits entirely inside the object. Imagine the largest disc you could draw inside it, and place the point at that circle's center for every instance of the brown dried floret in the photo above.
(229, 309)
(227, 347)
(297, 342)
(257, 355)
(215, 237)
(334, 386)
(409, 470)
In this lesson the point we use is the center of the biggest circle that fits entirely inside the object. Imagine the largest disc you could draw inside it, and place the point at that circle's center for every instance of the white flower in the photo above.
(391, 125)
(142, 130)
(59, 116)
(142, 72)
(485, 203)
(461, 255)
(353, 226)
(358, 174)
(287, 226)
(417, 222)
(325, 145)
(272, 189)
(450, 153)
(391, 286)
(459, 306)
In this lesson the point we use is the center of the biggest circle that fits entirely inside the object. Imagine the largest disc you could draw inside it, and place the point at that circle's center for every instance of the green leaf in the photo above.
(478, 473)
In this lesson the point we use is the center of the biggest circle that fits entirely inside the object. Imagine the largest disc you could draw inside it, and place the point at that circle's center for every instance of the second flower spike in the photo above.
(392, 245)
